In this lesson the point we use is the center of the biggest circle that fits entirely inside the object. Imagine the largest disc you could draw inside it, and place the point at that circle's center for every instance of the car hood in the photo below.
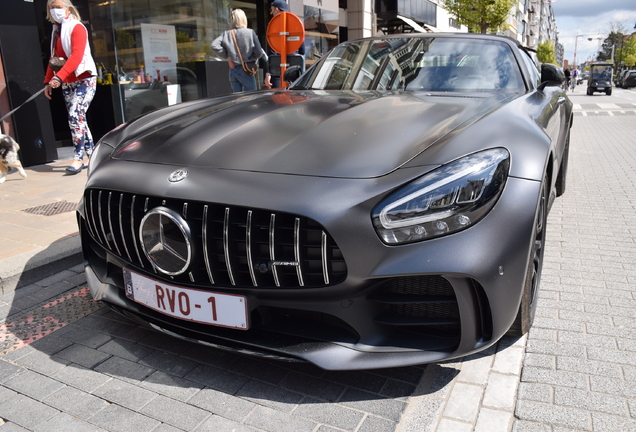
(317, 133)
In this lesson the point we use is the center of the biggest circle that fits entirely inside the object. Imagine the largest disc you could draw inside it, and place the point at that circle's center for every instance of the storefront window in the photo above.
(158, 53)
(321, 32)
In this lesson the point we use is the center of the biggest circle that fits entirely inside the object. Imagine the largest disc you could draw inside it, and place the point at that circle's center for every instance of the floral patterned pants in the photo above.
(77, 97)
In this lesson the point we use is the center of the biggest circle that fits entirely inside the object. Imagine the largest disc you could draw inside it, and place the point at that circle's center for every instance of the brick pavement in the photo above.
(580, 368)
(68, 363)
(33, 243)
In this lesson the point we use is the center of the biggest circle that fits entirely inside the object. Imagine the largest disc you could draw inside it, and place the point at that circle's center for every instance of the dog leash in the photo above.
(22, 104)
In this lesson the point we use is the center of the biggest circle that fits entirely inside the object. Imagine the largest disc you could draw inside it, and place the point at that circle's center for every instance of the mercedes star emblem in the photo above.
(165, 239)
(178, 175)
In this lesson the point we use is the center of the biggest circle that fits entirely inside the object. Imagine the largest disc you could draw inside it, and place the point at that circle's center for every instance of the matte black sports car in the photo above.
(388, 209)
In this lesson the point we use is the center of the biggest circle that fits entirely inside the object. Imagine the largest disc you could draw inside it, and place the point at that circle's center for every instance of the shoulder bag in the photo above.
(56, 63)
(250, 67)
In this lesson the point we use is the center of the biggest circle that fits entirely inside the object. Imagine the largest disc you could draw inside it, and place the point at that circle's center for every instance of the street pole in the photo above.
(620, 56)
(576, 41)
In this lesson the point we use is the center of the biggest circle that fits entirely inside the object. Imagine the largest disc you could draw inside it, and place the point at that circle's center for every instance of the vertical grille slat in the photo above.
(110, 222)
(299, 271)
(101, 220)
(323, 255)
(133, 226)
(234, 247)
(272, 253)
(204, 238)
(248, 247)
(90, 216)
(121, 225)
(226, 245)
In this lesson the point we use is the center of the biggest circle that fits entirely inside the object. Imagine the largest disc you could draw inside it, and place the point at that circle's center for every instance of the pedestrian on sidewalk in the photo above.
(72, 67)
(241, 47)
(574, 74)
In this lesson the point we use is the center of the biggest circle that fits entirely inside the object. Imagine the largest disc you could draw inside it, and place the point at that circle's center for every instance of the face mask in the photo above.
(58, 15)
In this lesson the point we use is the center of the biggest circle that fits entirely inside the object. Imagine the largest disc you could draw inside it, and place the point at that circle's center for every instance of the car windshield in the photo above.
(601, 72)
(416, 63)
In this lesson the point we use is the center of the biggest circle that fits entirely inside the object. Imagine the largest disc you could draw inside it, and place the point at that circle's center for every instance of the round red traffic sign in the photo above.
(285, 33)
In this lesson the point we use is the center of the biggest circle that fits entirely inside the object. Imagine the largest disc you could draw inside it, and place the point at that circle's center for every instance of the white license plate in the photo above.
(200, 306)
(600, 88)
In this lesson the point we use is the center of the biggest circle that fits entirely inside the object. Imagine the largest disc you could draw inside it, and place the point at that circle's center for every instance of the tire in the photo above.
(589, 92)
(563, 168)
(528, 306)
(608, 92)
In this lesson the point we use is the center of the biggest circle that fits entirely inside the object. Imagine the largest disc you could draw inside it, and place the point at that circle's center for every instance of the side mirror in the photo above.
(292, 74)
(551, 75)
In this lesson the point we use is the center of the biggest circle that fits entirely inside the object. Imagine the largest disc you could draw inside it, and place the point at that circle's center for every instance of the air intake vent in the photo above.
(232, 246)
(423, 304)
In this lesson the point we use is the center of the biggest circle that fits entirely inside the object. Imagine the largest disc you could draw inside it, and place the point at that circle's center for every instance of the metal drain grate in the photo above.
(52, 208)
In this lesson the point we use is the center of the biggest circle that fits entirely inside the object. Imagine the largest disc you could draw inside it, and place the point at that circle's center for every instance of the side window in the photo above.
(535, 76)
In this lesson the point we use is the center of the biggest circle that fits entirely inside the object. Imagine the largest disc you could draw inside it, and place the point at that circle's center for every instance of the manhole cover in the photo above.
(52, 208)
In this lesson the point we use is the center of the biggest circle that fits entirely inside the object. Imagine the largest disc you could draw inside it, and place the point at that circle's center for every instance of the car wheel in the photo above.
(563, 169)
(608, 92)
(589, 92)
(528, 306)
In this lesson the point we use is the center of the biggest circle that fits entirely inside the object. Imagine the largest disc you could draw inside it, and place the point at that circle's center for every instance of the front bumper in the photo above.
(395, 306)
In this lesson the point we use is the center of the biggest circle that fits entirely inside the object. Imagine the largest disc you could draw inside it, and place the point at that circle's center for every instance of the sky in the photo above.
(589, 19)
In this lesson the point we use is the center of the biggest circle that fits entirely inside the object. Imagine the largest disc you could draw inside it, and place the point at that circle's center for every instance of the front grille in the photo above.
(231, 246)
(421, 304)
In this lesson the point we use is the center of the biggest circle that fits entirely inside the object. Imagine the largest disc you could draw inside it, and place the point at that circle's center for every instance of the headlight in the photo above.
(446, 200)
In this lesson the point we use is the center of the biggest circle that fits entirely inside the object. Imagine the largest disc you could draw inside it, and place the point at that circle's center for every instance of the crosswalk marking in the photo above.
(602, 106)
(608, 106)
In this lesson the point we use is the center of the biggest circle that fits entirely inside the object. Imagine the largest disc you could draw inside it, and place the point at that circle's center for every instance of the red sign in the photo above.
(285, 33)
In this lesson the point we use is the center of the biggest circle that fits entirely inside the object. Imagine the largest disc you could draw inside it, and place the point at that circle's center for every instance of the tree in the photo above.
(616, 41)
(612, 42)
(545, 52)
(480, 15)
(628, 52)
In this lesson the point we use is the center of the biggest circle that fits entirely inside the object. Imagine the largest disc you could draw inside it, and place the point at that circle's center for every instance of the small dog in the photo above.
(9, 157)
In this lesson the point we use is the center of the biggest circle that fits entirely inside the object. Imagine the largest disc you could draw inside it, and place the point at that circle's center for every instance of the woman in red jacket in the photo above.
(69, 41)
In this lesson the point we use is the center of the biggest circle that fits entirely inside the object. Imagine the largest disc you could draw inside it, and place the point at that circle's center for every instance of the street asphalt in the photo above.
(69, 364)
